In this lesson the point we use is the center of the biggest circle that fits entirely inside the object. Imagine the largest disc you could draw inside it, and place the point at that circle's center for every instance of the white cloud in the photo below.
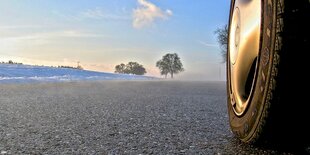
(147, 13)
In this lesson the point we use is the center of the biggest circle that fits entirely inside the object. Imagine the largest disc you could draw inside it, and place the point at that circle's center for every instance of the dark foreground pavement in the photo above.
(142, 117)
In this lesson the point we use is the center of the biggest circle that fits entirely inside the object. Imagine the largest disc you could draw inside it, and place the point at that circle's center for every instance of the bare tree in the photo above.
(222, 38)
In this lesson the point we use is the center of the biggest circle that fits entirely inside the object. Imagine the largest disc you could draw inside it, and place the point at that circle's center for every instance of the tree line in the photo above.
(11, 62)
(71, 67)
(170, 64)
(62, 66)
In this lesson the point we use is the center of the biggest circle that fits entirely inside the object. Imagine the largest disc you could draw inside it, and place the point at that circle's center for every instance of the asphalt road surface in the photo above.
(124, 117)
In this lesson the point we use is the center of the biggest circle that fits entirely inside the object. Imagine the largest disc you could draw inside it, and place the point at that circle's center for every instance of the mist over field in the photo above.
(18, 73)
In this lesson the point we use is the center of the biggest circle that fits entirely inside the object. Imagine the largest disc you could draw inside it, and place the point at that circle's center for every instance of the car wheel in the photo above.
(262, 62)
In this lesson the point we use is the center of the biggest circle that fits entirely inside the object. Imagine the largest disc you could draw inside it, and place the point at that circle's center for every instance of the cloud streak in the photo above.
(8, 27)
(98, 13)
(94, 14)
(14, 43)
(207, 44)
(56, 34)
(147, 13)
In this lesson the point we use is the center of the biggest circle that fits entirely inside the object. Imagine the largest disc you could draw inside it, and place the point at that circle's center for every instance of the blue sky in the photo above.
(103, 33)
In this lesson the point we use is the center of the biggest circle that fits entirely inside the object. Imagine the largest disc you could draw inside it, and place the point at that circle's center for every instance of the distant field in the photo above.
(17, 73)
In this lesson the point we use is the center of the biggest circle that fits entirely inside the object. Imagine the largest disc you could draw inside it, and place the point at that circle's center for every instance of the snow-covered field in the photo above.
(15, 73)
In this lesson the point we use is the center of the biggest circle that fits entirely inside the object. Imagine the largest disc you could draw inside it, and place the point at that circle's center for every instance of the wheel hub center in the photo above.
(237, 36)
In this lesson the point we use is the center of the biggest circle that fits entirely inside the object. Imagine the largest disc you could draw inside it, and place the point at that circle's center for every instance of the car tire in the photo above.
(267, 40)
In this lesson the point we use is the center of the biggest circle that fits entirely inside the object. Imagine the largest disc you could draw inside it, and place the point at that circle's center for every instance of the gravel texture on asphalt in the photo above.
(118, 117)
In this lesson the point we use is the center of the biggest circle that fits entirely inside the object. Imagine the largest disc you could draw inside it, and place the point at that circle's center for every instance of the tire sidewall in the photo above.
(248, 125)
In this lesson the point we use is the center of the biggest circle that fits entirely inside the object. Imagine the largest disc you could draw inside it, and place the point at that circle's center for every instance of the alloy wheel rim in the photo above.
(244, 43)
